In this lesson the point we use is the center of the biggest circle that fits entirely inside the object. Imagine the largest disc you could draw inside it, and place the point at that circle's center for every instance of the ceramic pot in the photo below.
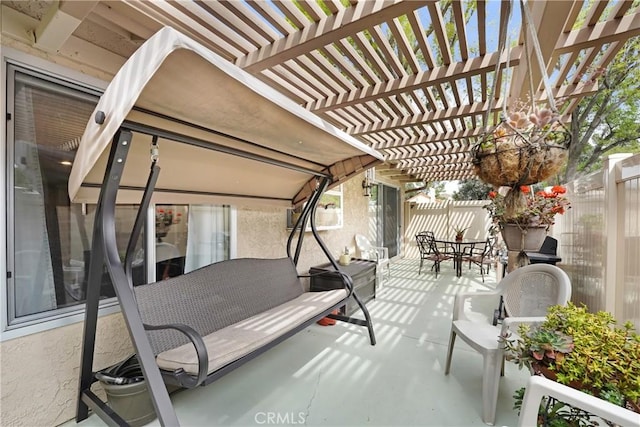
(533, 237)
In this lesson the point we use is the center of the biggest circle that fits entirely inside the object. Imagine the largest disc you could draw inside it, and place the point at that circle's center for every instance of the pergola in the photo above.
(411, 79)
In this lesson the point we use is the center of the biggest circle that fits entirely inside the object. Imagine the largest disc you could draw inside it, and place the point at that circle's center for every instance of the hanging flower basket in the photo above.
(510, 159)
(529, 144)
(522, 150)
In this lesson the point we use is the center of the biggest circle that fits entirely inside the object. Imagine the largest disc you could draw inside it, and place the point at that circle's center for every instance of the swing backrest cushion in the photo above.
(215, 296)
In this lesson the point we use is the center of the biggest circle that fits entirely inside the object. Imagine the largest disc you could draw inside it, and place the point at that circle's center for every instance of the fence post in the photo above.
(614, 262)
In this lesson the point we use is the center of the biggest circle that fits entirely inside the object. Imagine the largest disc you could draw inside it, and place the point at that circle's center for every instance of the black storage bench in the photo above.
(362, 273)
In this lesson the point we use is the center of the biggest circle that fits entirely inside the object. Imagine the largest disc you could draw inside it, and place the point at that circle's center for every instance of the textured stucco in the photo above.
(39, 372)
(263, 233)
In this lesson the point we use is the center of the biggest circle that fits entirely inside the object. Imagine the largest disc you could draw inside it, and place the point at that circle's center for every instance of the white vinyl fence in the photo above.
(600, 238)
(441, 217)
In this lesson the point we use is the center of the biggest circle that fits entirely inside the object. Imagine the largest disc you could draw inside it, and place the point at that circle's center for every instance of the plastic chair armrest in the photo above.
(382, 252)
(538, 386)
(458, 302)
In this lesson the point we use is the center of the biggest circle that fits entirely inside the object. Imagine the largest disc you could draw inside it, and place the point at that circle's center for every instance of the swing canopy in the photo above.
(223, 136)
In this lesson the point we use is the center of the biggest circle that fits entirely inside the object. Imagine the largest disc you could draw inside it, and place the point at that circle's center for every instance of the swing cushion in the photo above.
(236, 306)
(215, 296)
(238, 340)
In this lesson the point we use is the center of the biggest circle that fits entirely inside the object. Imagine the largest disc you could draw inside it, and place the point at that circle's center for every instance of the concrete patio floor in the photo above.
(331, 375)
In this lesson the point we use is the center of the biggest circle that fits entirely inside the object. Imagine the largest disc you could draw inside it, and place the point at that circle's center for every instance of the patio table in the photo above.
(458, 248)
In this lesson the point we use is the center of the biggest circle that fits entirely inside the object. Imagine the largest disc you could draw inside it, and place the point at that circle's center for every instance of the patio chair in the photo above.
(527, 293)
(482, 255)
(379, 254)
(429, 250)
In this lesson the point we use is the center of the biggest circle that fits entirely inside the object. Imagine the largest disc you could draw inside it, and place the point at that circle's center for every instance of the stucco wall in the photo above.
(263, 233)
(39, 372)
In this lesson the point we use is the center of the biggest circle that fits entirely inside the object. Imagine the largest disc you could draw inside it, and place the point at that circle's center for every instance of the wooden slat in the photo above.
(430, 78)
(240, 11)
(313, 10)
(358, 62)
(419, 32)
(169, 15)
(431, 116)
(595, 12)
(292, 13)
(272, 17)
(403, 43)
(201, 14)
(390, 56)
(605, 32)
(236, 20)
(440, 31)
(367, 50)
(482, 27)
(461, 30)
(335, 27)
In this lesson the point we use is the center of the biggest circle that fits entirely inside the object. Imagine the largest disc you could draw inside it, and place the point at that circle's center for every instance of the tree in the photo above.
(609, 120)
(472, 189)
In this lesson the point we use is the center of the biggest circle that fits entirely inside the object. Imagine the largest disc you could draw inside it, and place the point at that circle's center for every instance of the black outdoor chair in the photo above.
(430, 251)
(481, 255)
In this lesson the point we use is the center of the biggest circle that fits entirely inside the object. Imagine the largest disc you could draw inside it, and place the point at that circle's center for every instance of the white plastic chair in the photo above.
(527, 292)
(378, 254)
(538, 387)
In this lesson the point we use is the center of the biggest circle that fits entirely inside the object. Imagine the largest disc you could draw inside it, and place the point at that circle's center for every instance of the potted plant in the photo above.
(583, 350)
(524, 223)
(459, 232)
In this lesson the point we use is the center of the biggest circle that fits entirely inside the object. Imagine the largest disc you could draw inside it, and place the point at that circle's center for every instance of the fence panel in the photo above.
(628, 182)
(600, 238)
(441, 217)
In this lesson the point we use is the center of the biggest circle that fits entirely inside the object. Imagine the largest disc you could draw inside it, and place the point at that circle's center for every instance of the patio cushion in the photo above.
(237, 340)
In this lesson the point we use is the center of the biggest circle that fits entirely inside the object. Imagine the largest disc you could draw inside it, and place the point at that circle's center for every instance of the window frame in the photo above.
(11, 61)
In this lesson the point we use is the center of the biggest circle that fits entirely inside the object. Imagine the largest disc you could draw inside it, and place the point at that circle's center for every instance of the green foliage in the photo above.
(602, 358)
(554, 413)
(472, 189)
(608, 121)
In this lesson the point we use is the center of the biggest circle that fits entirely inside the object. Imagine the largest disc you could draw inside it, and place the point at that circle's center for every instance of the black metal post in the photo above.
(104, 248)
(146, 357)
(140, 217)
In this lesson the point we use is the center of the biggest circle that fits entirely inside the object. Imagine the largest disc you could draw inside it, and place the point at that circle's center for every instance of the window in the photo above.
(49, 238)
(189, 237)
(329, 212)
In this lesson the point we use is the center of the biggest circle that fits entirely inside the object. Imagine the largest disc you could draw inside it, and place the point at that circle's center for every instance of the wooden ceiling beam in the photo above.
(335, 27)
(59, 23)
(604, 32)
(422, 80)
(548, 18)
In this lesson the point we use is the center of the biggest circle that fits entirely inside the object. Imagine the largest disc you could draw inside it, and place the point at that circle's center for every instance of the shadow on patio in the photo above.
(332, 376)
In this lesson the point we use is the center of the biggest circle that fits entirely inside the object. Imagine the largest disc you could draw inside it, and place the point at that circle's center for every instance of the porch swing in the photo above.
(222, 137)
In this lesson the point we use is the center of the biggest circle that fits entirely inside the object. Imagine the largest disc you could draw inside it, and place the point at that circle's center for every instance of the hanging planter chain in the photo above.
(519, 150)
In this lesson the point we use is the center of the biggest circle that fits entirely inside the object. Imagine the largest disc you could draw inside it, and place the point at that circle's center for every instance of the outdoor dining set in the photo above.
(474, 251)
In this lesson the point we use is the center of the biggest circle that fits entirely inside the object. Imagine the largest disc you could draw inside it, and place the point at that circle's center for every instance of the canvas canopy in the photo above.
(223, 135)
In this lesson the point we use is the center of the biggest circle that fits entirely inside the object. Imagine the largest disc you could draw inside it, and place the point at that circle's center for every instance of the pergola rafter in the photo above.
(385, 71)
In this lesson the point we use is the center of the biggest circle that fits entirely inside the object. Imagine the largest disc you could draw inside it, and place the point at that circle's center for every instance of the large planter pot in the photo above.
(525, 239)
(131, 401)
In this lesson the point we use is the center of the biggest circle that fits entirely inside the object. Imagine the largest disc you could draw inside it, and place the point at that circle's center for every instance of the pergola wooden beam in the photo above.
(362, 16)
